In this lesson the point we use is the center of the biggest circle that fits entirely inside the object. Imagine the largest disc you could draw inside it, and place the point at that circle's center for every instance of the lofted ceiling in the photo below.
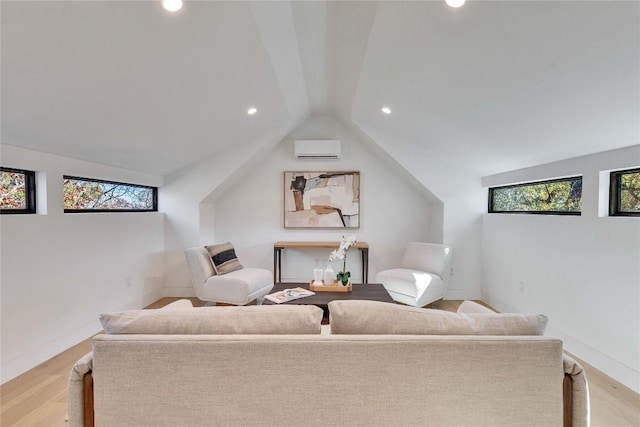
(497, 85)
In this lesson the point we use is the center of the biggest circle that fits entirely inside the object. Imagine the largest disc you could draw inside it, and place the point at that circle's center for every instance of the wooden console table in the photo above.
(279, 246)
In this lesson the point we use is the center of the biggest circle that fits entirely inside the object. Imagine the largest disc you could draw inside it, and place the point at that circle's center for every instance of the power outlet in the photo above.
(521, 286)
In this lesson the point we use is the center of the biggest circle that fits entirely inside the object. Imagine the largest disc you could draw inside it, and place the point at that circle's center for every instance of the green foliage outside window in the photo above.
(12, 191)
(84, 194)
(625, 192)
(17, 191)
(562, 197)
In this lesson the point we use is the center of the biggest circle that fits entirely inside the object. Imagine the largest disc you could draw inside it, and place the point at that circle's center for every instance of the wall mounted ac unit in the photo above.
(317, 149)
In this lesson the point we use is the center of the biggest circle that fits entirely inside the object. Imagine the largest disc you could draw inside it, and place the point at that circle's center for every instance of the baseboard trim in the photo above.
(179, 292)
(29, 360)
(462, 294)
(80, 332)
(620, 372)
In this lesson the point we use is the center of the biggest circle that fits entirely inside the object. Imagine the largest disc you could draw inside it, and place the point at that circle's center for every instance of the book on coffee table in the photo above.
(289, 295)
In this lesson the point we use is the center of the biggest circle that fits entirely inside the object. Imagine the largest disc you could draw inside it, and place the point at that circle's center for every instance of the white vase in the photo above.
(328, 275)
(317, 276)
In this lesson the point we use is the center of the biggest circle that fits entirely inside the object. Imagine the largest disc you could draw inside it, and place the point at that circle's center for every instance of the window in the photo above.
(555, 197)
(93, 195)
(624, 194)
(17, 191)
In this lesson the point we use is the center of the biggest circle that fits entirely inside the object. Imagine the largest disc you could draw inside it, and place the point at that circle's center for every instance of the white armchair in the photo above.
(422, 277)
(238, 287)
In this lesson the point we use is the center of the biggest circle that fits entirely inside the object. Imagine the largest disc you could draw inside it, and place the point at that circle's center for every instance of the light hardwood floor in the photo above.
(39, 396)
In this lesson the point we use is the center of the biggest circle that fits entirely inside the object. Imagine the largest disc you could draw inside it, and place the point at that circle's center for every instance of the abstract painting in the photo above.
(322, 199)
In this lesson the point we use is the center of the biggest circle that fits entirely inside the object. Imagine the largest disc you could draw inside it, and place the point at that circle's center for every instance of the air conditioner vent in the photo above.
(317, 149)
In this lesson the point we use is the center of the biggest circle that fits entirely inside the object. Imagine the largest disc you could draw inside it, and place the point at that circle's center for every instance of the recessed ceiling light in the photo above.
(386, 110)
(455, 3)
(251, 111)
(172, 5)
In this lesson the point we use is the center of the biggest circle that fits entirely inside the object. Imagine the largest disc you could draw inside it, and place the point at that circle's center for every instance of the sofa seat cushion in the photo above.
(412, 283)
(237, 287)
(272, 319)
(374, 317)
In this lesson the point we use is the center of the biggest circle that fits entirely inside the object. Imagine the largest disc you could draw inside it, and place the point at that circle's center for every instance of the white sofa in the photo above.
(238, 287)
(422, 276)
(270, 366)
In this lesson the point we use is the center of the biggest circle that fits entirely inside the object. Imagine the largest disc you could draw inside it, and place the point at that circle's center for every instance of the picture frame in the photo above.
(322, 200)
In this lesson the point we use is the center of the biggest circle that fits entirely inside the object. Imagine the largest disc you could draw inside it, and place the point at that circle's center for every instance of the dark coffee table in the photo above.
(371, 292)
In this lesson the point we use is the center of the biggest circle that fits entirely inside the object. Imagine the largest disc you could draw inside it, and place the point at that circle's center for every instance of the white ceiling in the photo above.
(495, 85)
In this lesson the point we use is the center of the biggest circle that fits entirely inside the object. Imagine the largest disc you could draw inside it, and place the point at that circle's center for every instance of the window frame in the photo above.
(546, 181)
(615, 199)
(103, 181)
(29, 192)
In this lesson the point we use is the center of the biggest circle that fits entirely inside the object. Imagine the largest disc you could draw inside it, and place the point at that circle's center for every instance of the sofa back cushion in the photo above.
(470, 307)
(430, 257)
(276, 319)
(178, 305)
(374, 317)
(200, 266)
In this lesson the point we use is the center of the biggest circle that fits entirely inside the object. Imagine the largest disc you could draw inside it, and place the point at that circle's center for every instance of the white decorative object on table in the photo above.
(317, 276)
(343, 276)
(289, 295)
(328, 275)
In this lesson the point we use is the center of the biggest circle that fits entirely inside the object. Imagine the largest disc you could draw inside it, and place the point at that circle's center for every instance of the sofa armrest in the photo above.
(576, 394)
(80, 393)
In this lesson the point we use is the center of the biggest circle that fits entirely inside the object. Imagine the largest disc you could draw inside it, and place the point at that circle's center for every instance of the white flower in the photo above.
(335, 254)
(345, 245)
(349, 242)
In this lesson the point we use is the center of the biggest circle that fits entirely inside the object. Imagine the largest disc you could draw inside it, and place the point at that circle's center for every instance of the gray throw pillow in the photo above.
(374, 317)
(224, 258)
(267, 319)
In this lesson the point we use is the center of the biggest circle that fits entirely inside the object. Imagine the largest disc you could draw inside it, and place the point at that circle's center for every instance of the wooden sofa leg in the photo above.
(567, 400)
(88, 400)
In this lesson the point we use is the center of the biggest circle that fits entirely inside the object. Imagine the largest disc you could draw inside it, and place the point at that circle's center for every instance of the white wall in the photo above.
(463, 203)
(219, 199)
(189, 221)
(60, 271)
(583, 272)
(393, 210)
